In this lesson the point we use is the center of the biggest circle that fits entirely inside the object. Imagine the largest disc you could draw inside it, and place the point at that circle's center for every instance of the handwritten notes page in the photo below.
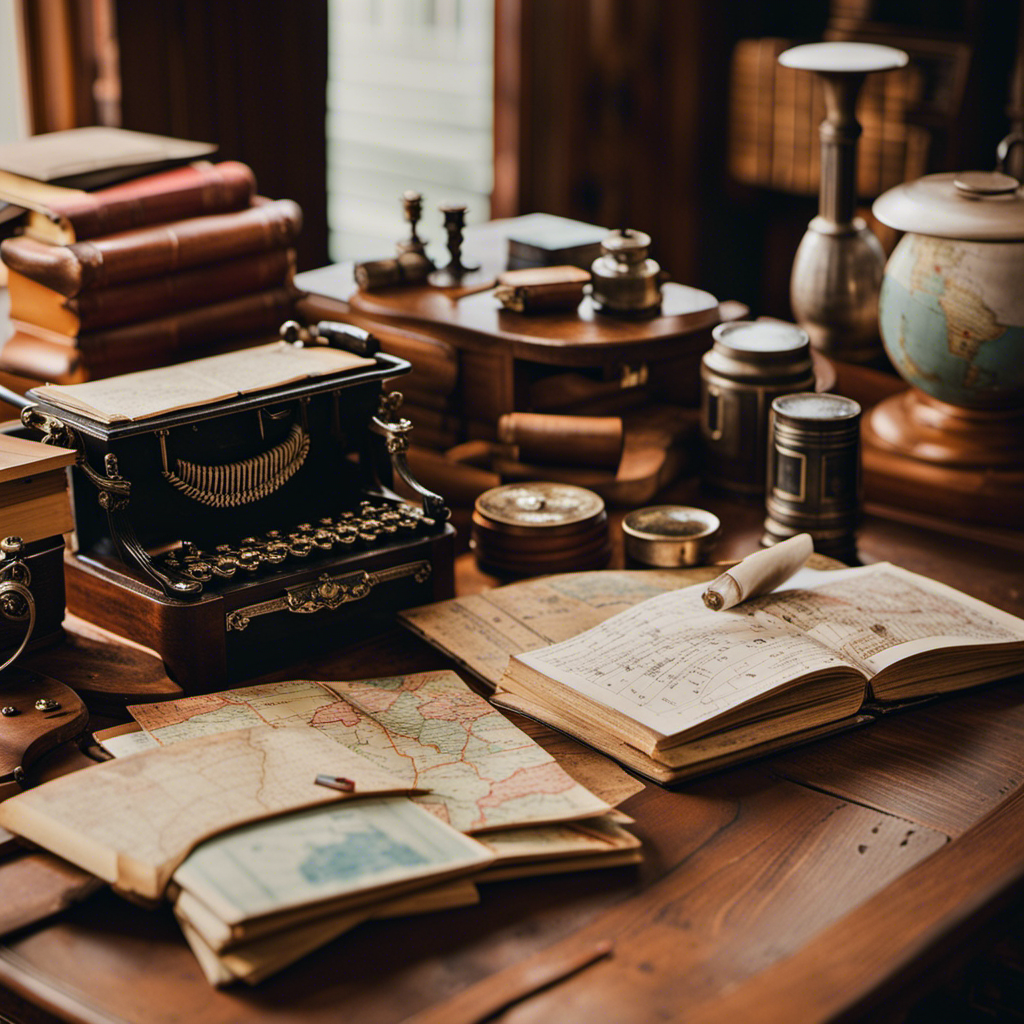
(674, 667)
(480, 631)
(880, 614)
(670, 664)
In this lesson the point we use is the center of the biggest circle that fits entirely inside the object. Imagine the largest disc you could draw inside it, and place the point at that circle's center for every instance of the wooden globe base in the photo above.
(923, 454)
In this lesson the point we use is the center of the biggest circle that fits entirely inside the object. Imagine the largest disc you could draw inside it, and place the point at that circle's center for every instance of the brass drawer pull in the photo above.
(327, 592)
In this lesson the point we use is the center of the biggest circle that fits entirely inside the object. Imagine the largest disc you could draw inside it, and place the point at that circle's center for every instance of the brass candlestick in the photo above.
(412, 207)
(837, 272)
(456, 274)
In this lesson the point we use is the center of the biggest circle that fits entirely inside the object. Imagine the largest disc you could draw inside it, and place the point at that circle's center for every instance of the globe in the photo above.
(951, 315)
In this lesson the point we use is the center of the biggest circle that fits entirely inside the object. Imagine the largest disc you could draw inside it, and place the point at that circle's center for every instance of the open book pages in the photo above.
(122, 820)
(428, 729)
(148, 393)
(669, 672)
(480, 631)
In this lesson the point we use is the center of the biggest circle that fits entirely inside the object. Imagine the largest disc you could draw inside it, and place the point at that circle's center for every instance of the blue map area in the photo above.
(361, 853)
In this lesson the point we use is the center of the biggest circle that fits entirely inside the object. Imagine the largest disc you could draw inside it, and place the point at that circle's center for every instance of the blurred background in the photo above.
(671, 116)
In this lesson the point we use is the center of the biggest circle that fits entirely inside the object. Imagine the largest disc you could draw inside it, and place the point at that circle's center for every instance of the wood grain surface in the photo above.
(38, 885)
(800, 888)
(944, 765)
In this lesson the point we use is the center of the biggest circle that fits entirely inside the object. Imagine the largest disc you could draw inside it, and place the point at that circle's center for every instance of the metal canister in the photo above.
(814, 482)
(625, 281)
(749, 364)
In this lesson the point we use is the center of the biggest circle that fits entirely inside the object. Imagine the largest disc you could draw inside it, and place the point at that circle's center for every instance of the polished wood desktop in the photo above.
(819, 884)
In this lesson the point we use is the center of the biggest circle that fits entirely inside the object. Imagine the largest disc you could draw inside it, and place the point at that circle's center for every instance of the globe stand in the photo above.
(930, 456)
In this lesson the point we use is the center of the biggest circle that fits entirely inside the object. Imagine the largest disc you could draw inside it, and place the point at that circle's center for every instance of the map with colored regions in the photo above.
(429, 730)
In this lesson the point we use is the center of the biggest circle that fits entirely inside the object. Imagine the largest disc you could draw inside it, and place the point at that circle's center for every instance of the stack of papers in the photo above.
(487, 802)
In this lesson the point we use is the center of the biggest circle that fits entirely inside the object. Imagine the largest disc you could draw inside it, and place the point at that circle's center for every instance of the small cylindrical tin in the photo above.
(670, 535)
(814, 472)
(749, 364)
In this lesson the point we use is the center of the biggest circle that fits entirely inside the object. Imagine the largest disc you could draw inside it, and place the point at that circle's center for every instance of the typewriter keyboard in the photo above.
(373, 524)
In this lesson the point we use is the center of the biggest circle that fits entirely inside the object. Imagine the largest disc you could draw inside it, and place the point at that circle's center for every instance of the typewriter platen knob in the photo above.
(11, 546)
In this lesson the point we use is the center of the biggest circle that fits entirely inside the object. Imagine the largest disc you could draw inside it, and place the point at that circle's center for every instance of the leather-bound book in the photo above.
(152, 251)
(35, 304)
(45, 355)
(62, 215)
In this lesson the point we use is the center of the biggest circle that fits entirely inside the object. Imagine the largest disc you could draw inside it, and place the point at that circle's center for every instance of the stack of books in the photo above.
(155, 270)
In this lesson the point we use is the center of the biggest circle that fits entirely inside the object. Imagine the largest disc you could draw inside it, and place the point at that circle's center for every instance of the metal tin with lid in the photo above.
(669, 536)
(625, 280)
(814, 483)
(749, 364)
(539, 527)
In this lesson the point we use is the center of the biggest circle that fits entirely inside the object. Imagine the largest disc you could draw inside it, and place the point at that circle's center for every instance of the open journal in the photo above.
(672, 689)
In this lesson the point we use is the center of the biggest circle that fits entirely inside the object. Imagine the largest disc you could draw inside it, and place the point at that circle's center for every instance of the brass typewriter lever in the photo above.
(396, 434)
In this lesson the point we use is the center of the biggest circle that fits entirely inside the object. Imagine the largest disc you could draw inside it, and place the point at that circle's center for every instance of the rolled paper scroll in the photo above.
(759, 573)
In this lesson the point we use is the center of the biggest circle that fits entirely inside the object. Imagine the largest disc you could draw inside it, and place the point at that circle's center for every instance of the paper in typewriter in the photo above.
(148, 393)
(429, 730)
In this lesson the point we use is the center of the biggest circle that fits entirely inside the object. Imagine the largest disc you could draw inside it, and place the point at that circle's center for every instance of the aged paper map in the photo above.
(481, 631)
(351, 850)
(132, 821)
(429, 730)
(482, 771)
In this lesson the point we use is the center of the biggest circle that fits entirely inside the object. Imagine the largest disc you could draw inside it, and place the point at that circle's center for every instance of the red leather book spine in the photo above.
(158, 198)
(171, 338)
(145, 300)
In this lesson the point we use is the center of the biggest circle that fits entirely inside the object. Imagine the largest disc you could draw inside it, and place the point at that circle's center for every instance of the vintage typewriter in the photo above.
(237, 536)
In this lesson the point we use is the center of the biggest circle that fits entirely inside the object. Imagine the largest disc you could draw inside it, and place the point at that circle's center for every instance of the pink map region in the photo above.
(340, 711)
(542, 778)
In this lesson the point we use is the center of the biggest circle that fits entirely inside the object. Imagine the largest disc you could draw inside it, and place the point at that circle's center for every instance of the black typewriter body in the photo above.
(238, 537)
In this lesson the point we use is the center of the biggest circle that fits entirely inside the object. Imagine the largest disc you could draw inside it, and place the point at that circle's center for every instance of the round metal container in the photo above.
(624, 280)
(749, 364)
(542, 527)
(814, 481)
(670, 535)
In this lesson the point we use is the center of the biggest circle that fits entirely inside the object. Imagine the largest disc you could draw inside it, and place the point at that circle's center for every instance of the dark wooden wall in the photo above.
(250, 75)
(619, 116)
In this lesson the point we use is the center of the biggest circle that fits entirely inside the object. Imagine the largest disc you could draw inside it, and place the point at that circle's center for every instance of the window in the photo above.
(13, 120)
(409, 106)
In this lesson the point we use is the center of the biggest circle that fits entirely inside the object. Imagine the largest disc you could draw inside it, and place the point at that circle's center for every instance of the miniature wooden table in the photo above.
(817, 885)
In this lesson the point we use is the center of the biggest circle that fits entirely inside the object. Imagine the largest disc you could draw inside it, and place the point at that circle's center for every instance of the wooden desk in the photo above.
(811, 886)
